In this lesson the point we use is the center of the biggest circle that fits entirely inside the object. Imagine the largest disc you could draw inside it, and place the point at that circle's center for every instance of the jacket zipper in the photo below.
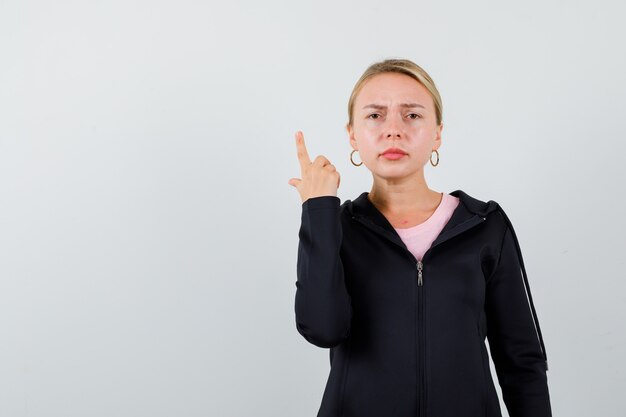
(422, 345)
(458, 229)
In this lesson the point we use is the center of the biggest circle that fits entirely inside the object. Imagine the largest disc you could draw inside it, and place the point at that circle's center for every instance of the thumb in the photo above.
(294, 181)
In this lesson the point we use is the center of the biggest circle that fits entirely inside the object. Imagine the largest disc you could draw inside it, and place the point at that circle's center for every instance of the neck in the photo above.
(408, 195)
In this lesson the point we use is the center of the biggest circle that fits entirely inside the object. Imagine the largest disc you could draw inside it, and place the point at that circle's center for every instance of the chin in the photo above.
(396, 172)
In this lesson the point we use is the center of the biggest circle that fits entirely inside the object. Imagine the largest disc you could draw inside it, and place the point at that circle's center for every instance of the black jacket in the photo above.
(406, 337)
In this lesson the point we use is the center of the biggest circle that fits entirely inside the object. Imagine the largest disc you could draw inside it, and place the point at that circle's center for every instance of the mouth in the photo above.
(393, 153)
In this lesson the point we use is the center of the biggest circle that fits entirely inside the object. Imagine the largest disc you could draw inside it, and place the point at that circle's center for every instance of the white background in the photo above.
(148, 235)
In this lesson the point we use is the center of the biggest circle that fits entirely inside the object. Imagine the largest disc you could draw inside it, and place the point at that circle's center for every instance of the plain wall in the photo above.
(148, 235)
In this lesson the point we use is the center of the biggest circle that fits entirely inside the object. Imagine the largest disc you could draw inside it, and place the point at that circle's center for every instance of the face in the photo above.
(394, 110)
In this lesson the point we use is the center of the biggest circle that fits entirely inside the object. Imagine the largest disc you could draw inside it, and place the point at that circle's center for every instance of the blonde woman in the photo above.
(404, 283)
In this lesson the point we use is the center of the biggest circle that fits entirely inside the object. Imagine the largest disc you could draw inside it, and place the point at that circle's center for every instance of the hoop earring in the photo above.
(431, 158)
(351, 153)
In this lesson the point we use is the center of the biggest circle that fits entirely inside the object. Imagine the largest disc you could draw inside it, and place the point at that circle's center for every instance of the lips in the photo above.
(393, 154)
(394, 151)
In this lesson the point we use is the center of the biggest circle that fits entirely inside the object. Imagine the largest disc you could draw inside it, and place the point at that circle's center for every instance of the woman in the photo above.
(404, 283)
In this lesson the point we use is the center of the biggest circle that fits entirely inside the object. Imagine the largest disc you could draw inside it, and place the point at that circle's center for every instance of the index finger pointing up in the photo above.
(303, 155)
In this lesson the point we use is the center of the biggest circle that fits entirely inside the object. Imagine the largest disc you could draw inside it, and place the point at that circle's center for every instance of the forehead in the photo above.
(392, 88)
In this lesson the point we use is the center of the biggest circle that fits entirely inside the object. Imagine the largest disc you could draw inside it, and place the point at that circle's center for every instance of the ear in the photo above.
(351, 137)
(437, 142)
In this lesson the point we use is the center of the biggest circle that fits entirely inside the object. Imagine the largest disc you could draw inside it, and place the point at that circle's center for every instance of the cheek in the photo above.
(422, 143)
(422, 148)
(368, 151)
(422, 129)
(423, 136)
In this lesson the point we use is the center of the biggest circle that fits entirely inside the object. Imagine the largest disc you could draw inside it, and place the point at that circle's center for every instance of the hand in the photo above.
(319, 178)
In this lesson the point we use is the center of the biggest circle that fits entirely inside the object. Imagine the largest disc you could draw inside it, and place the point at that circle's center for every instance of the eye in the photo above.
(373, 114)
(415, 114)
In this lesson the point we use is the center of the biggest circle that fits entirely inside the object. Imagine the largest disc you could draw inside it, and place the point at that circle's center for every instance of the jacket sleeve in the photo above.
(322, 304)
(514, 335)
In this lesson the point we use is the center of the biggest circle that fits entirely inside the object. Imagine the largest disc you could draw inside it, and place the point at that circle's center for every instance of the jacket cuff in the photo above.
(321, 202)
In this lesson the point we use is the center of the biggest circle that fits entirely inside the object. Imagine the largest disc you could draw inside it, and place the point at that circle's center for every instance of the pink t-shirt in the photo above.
(418, 239)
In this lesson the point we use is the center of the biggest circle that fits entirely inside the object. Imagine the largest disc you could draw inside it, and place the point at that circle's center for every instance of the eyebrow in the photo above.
(406, 105)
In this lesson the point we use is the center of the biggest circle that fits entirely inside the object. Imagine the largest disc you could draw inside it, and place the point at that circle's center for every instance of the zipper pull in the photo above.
(420, 281)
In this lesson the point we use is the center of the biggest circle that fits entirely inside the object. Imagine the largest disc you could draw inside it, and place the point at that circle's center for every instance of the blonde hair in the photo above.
(401, 66)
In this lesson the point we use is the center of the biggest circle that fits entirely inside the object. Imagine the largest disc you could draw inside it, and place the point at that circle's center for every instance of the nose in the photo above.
(393, 130)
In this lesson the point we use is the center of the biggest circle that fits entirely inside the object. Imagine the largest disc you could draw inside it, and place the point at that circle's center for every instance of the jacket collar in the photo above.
(474, 205)
(468, 208)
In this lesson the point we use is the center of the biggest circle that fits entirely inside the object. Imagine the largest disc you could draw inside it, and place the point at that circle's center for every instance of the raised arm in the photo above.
(322, 304)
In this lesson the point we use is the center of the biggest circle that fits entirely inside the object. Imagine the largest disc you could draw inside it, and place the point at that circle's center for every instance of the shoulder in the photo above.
(489, 208)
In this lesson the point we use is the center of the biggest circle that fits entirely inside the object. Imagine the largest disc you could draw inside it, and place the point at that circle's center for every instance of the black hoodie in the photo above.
(407, 336)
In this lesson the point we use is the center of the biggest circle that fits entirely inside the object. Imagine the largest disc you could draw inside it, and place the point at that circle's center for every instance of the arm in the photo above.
(516, 346)
(322, 304)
